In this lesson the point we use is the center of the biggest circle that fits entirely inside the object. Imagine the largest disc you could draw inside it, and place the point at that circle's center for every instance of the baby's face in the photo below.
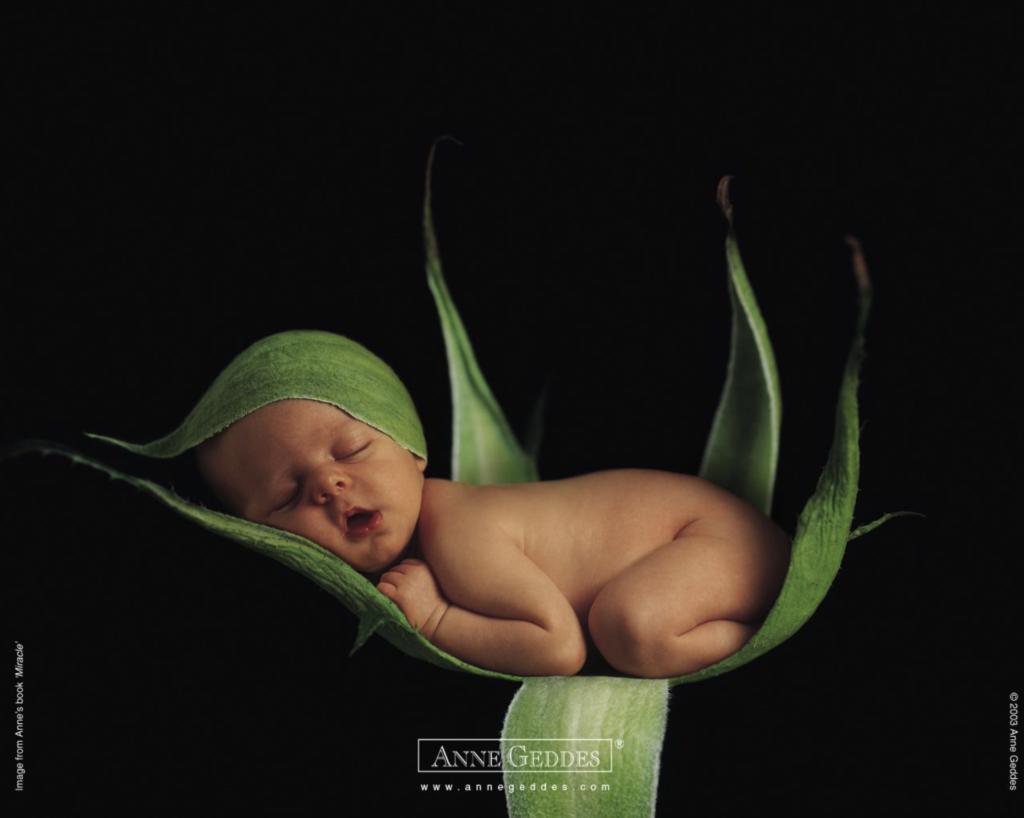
(309, 468)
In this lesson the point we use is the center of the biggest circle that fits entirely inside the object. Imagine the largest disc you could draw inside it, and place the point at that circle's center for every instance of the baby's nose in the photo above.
(329, 482)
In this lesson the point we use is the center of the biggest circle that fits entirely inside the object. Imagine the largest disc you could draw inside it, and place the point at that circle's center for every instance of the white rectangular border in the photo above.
(611, 756)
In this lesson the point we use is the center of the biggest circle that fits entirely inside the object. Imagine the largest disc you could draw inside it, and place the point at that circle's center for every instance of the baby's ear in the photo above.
(421, 464)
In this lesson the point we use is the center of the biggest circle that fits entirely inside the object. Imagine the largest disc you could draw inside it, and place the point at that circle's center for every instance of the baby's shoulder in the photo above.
(441, 497)
(451, 512)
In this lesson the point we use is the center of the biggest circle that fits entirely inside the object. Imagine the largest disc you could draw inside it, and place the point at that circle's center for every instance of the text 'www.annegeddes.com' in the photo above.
(522, 787)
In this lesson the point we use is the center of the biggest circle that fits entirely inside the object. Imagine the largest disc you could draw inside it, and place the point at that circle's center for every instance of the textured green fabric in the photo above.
(307, 364)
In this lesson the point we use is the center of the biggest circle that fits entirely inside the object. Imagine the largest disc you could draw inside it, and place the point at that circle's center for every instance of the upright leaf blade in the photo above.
(742, 451)
(484, 448)
(824, 524)
(553, 711)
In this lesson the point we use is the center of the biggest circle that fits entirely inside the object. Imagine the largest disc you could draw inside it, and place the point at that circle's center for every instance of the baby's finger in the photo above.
(412, 561)
(394, 571)
(386, 588)
(392, 578)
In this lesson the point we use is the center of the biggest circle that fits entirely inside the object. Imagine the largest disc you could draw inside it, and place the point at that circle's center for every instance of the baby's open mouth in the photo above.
(359, 522)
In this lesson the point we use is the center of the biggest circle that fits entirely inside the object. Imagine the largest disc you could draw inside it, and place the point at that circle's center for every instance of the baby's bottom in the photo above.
(690, 603)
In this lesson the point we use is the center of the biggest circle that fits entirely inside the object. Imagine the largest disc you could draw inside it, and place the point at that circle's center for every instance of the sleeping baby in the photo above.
(661, 574)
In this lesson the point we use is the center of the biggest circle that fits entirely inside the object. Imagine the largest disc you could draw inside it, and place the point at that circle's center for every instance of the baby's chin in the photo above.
(387, 561)
(389, 564)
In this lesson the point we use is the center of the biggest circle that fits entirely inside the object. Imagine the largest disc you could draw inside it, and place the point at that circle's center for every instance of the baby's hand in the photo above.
(412, 587)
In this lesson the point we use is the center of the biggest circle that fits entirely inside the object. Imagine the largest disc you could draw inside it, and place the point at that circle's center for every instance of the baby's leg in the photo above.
(693, 601)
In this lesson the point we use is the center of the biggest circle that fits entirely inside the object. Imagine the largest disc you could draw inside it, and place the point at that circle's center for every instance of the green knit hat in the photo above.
(305, 364)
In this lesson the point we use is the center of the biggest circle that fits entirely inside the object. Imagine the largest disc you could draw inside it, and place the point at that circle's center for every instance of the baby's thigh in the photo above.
(704, 575)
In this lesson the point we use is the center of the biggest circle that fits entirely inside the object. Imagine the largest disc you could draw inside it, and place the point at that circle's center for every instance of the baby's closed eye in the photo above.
(349, 453)
(291, 499)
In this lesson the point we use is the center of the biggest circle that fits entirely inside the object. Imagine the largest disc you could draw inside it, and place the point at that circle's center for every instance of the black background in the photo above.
(184, 185)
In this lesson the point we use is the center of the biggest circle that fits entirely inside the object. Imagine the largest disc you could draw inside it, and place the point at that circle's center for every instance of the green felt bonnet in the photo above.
(306, 364)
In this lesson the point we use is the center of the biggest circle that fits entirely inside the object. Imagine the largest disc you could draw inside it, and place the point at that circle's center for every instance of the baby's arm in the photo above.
(521, 624)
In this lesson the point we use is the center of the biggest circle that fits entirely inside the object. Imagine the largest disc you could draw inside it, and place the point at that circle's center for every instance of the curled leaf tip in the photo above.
(860, 267)
(864, 529)
(369, 622)
(433, 149)
(445, 137)
(723, 198)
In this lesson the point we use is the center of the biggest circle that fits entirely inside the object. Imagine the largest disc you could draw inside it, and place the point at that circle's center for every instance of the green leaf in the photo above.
(307, 364)
(627, 718)
(824, 524)
(860, 531)
(535, 429)
(368, 623)
(742, 451)
(484, 449)
(376, 612)
(553, 713)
